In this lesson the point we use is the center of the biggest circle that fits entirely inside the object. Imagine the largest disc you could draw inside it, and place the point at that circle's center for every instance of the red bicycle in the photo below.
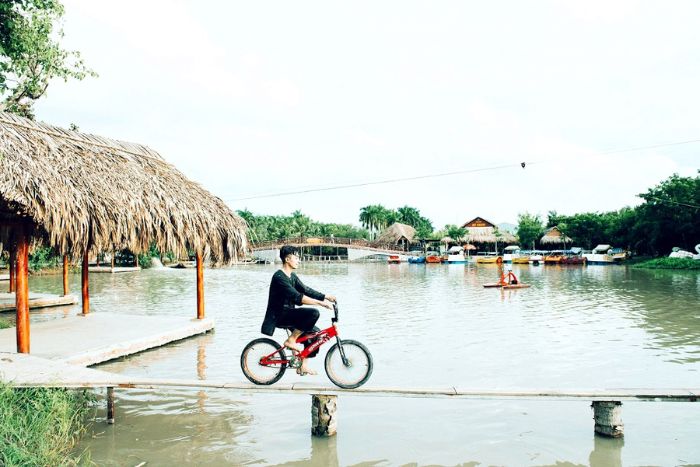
(348, 363)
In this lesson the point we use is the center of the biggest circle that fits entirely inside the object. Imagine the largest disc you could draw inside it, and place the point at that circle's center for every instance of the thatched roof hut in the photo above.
(479, 230)
(79, 191)
(554, 236)
(397, 233)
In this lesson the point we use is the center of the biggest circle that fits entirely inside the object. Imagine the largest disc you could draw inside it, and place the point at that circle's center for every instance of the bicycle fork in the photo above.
(346, 362)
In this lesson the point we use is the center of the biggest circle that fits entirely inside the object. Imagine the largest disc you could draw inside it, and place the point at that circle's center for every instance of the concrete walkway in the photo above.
(99, 337)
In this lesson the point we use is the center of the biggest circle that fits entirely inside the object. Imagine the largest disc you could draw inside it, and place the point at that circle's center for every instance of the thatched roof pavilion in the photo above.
(397, 233)
(479, 230)
(554, 236)
(78, 193)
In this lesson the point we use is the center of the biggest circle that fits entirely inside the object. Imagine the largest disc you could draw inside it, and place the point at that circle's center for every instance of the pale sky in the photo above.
(252, 98)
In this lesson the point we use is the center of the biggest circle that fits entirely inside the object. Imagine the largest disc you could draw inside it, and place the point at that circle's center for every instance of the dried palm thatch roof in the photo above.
(78, 190)
(488, 235)
(554, 236)
(395, 232)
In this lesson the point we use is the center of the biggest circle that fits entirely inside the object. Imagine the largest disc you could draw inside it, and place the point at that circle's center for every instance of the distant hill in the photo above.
(507, 227)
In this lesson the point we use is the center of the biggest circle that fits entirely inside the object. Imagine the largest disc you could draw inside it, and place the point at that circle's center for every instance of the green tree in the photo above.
(455, 232)
(670, 215)
(30, 53)
(530, 229)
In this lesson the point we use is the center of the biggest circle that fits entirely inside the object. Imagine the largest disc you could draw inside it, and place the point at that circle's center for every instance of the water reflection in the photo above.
(426, 325)
(607, 452)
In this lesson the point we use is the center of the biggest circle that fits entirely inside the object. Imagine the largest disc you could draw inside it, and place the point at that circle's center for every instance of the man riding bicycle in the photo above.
(287, 294)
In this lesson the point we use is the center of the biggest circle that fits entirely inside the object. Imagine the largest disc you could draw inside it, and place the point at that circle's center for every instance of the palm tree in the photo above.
(409, 215)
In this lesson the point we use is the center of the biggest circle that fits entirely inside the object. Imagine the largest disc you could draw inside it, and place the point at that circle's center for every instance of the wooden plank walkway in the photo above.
(113, 270)
(26, 370)
(37, 300)
(102, 336)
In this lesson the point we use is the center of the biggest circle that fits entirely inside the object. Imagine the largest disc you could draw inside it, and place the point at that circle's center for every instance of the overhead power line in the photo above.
(381, 182)
(677, 203)
(446, 174)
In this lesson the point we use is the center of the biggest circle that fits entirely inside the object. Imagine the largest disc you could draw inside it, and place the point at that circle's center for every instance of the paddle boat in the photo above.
(393, 259)
(605, 254)
(536, 257)
(522, 259)
(433, 257)
(681, 253)
(510, 252)
(508, 280)
(489, 259)
(572, 256)
(554, 257)
(455, 255)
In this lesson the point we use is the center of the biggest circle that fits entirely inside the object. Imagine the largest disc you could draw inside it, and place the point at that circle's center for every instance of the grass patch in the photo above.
(4, 324)
(669, 263)
(40, 426)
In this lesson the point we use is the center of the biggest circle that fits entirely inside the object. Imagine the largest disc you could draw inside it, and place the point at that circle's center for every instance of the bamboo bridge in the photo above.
(357, 248)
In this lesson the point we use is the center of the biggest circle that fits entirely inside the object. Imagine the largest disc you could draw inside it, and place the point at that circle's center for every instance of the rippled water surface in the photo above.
(427, 326)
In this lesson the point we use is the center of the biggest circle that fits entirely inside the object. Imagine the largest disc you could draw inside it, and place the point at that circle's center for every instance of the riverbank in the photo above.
(669, 263)
(41, 426)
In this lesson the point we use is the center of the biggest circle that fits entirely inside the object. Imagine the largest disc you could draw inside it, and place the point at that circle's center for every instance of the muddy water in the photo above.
(426, 325)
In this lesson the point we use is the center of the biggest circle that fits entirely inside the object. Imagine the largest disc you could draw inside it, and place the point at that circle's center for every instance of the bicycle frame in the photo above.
(322, 337)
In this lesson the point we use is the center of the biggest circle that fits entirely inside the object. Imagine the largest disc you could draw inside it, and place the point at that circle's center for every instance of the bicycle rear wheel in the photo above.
(356, 372)
(258, 372)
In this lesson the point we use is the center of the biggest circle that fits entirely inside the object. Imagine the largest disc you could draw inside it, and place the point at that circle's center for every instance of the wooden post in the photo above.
(86, 290)
(200, 287)
(65, 275)
(608, 418)
(13, 266)
(22, 291)
(110, 406)
(112, 266)
(324, 421)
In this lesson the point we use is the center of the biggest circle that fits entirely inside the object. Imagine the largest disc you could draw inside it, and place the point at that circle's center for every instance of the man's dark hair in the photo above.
(288, 250)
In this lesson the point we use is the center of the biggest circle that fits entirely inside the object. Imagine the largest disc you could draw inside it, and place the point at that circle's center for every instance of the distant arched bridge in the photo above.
(357, 248)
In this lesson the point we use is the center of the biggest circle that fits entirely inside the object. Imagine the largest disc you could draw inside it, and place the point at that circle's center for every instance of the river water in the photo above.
(426, 326)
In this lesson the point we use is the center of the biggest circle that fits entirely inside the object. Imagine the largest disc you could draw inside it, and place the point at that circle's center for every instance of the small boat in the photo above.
(605, 254)
(489, 259)
(536, 258)
(554, 257)
(572, 256)
(433, 257)
(455, 255)
(677, 252)
(393, 259)
(521, 259)
(416, 257)
(510, 252)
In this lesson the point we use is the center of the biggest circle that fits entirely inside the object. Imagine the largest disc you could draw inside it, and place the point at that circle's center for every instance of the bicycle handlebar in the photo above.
(335, 313)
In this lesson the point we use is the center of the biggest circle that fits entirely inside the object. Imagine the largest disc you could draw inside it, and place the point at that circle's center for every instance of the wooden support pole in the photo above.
(608, 418)
(22, 291)
(324, 421)
(86, 289)
(65, 275)
(200, 287)
(13, 267)
(112, 262)
(110, 406)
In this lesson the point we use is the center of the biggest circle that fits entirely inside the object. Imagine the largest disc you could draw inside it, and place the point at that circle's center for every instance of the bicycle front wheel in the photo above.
(253, 366)
(358, 368)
